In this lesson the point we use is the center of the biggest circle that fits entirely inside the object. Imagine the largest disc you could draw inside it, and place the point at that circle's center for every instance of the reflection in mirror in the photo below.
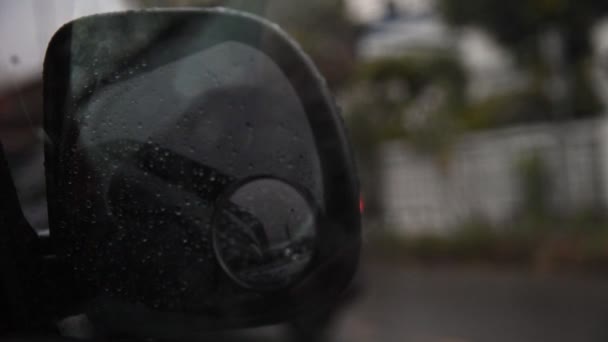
(163, 143)
(229, 107)
(159, 139)
(264, 234)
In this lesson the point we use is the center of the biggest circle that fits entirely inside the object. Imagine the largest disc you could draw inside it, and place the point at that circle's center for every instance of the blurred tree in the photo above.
(320, 26)
(552, 41)
(550, 38)
(409, 98)
(520, 24)
(535, 186)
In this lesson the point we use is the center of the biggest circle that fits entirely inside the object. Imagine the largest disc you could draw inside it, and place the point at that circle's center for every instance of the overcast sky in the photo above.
(26, 26)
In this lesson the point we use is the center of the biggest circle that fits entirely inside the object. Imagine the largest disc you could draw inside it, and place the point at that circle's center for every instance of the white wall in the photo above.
(481, 178)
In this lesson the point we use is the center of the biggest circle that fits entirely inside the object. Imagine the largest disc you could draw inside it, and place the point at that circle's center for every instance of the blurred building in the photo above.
(420, 31)
(399, 32)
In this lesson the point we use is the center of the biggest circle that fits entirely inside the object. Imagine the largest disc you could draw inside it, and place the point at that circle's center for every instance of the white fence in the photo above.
(481, 178)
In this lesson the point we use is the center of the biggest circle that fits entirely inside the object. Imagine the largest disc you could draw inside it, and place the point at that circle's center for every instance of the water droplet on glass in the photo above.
(15, 60)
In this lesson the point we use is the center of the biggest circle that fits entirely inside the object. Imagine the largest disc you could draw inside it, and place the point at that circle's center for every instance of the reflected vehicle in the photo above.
(198, 178)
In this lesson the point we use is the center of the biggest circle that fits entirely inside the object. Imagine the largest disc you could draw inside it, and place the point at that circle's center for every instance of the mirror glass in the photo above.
(161, 117)
(264, 234)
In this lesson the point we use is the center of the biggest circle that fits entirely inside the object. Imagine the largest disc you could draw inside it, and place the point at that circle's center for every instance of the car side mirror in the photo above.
(199, 176)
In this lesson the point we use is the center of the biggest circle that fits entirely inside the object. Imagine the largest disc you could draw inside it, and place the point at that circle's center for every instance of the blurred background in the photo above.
(482, 144)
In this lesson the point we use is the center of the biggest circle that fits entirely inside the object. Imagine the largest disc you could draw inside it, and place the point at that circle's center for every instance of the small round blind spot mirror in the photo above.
(265, 233)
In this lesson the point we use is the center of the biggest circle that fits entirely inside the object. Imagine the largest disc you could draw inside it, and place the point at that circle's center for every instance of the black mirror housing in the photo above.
(147, 109)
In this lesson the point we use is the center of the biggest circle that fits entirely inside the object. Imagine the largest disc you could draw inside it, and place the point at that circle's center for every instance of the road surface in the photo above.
(455, 304)
(472, 305)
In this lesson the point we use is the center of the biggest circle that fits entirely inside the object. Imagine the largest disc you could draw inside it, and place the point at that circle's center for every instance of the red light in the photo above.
(361, 205)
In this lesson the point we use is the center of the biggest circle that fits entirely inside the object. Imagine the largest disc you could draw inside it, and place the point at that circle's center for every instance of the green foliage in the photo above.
(368, 127)
(531, 103)
(376, 112)
(379, 117)
(522, 26)
(475, 241)
(417, 72)
(515, 107)
(535, 187)
(585, 99)
(544, 245)
(518, 24)
(487, 113)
